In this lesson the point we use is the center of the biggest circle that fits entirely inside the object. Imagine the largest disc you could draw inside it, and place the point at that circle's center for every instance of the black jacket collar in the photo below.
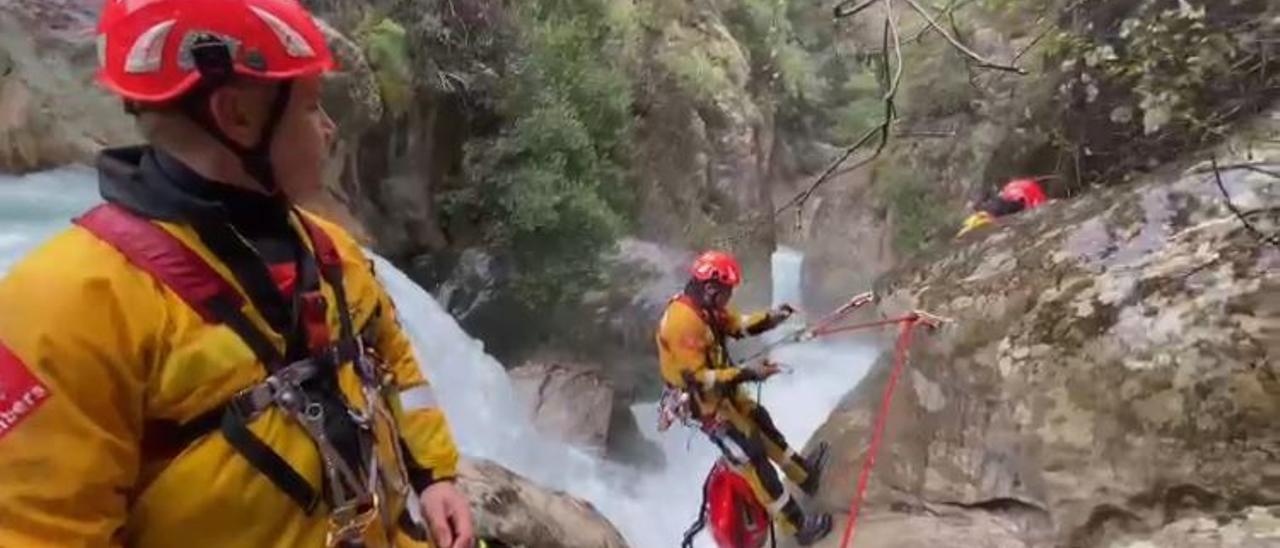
(153, 184)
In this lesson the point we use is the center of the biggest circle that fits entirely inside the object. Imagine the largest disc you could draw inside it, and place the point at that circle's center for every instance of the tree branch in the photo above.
(1018, 56)
(1217, 176)
(951, 6)
(892, 42)
(843, 10)
(1251, 166)
(980, 60)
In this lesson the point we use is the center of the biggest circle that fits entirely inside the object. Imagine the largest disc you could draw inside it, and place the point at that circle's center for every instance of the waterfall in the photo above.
(651, 508)
(788, 276)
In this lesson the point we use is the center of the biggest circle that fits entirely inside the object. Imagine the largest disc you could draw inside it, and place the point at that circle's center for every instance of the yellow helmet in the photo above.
(977, 220)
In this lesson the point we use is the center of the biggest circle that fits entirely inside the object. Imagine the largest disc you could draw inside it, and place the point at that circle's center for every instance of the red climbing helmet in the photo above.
(154, 50)
(1027, 191)
(719, 266)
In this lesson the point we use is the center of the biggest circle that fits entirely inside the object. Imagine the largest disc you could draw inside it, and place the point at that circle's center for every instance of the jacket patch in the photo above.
(21, 393)
(693, 342)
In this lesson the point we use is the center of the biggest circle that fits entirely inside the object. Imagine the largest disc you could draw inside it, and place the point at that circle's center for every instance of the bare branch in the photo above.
(1257, 169)
(946, 12)
(842, 10)
(980, 60)
(1252, 166)
(892, 41)
(891, 26)
(799, 199)
(1018, 56)
(1217, 176)
(926, 133)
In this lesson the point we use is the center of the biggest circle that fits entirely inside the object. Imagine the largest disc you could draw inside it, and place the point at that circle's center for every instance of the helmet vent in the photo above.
(293, 42)
(147, 53)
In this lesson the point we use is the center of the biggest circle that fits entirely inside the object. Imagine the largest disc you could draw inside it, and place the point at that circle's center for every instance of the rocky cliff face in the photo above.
(1111, 378)
(51, 113)
(705, 140)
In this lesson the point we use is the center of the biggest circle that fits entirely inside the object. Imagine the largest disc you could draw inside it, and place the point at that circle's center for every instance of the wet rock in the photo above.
(1253, 527)
(519, 513)
(570, 402)
(932, 528)
(577, 404)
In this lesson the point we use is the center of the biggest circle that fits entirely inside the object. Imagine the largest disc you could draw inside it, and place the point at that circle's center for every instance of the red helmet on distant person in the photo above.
(1027, 191)
(152, 51)
(718, 266)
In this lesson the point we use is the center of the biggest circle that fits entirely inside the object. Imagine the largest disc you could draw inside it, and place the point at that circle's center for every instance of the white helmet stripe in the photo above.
(293, 42)
(147, 53)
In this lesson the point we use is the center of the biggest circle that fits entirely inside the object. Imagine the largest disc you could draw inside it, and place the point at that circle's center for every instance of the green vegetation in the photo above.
(550, 186)
(386, 46)
(910, 187)
(936, 82)
(1170, 55)
(698, 66)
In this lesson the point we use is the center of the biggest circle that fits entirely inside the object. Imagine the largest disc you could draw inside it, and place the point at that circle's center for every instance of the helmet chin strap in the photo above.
(213, 59)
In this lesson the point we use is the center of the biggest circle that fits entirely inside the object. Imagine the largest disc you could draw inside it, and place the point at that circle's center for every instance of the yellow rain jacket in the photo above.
(95, 353)
(692, 354)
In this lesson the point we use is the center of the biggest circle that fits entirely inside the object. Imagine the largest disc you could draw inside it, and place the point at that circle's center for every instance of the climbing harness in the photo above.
(304, 389)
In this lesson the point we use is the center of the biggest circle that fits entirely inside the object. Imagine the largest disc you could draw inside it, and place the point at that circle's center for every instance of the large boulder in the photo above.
(519, 513)
(1112, 368)
(577, 404)
(571, 402)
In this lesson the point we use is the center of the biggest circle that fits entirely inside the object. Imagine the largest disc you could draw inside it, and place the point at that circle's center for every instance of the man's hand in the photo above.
(762, 370)
(448, 515)
(779, 315)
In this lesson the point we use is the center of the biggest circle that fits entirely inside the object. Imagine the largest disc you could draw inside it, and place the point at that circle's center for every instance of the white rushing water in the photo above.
(652, 508)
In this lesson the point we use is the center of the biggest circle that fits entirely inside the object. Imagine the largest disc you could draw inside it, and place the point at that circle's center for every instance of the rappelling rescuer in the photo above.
(692, 340)
(1016, 196)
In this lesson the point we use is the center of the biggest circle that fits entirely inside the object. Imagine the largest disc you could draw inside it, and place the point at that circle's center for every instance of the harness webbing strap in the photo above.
(183, 271)
(160, 254)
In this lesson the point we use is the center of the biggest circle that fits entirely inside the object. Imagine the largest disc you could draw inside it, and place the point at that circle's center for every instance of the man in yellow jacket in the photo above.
(197, 362)
(693, 354)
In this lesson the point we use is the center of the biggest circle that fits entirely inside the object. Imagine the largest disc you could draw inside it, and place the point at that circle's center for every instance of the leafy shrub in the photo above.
(549, 187)
(386, 47)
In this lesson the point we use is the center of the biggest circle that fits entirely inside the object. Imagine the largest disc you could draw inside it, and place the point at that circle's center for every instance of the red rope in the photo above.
(824, 331)
(900, 358)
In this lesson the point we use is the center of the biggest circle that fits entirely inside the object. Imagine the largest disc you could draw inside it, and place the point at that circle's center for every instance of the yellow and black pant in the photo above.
(748, 438)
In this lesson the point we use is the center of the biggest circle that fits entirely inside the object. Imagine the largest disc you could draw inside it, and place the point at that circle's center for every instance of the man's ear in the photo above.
(230, 109)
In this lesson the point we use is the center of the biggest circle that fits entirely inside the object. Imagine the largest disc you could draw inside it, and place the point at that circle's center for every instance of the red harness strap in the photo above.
(162, 255)
(176, 266)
